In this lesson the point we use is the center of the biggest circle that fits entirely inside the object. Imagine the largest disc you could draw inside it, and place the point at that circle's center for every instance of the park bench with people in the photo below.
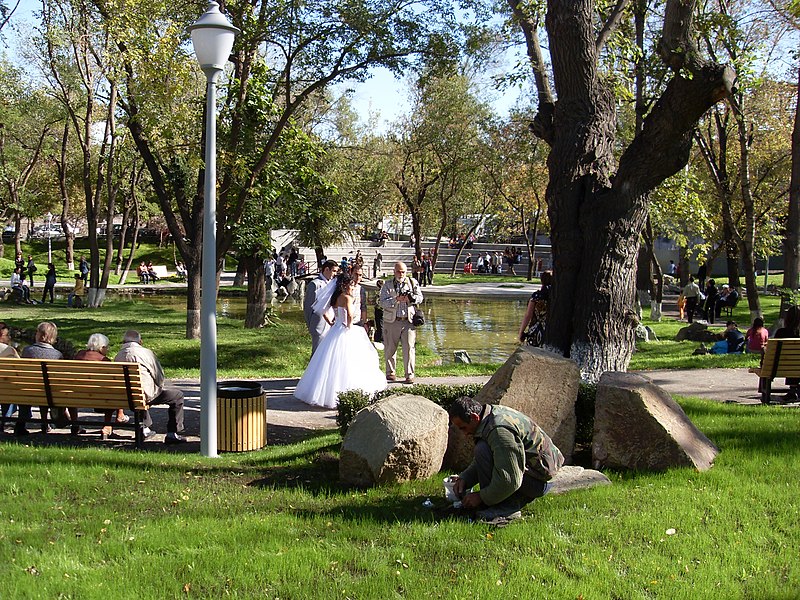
(75, 384)
(781, 359)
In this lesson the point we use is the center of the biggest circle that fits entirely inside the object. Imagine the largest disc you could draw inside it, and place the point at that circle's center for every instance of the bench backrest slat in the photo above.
(781, 358)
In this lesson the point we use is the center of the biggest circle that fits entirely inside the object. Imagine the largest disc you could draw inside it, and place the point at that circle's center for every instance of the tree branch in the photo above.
(542, 125)
(611, 24)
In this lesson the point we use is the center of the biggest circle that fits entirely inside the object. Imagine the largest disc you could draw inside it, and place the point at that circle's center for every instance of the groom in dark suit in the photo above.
(317, 325)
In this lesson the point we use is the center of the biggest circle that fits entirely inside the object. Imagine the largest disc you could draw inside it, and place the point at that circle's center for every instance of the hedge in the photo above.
(354, 400)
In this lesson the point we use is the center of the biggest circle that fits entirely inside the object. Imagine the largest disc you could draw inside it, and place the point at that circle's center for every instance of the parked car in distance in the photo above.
(53, 231)
(9, 234)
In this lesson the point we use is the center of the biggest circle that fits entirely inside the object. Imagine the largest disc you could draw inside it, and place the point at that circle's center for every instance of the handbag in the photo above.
(418, 319)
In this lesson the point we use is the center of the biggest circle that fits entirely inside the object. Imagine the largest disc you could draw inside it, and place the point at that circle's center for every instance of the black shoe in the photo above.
(19, 430)
(174, 438)
(77, 430)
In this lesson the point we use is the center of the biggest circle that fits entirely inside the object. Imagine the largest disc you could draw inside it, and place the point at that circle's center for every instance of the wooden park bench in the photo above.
(75, 384)
(781, 359)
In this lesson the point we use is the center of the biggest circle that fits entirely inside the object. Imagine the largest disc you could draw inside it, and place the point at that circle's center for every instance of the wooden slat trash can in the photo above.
(241, 416)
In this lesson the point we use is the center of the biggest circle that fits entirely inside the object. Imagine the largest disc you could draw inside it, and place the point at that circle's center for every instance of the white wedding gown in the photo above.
(345, 360)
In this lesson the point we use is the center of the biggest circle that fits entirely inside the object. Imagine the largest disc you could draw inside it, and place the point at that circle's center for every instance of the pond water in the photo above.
(485, 328)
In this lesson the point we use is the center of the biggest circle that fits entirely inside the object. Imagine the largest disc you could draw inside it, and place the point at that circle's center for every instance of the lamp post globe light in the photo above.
(212, 38)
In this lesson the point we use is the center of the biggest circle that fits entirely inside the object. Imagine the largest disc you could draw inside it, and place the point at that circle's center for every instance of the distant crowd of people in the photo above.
(22, 292)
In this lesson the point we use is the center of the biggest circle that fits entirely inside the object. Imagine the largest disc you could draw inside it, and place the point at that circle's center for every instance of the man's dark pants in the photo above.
(530, 489)
(173, 397)
(691, 306)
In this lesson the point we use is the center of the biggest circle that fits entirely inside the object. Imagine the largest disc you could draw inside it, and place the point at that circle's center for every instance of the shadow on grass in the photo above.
(391, 510)
(122, 453)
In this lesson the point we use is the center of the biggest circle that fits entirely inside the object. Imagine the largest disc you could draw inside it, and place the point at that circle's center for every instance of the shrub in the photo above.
(352, 401)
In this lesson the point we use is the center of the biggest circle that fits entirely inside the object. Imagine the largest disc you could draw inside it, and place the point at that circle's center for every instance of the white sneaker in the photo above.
(148, 433)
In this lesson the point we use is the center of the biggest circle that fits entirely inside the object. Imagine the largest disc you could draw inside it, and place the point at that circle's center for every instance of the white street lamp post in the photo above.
(49, 217)
(212, 38)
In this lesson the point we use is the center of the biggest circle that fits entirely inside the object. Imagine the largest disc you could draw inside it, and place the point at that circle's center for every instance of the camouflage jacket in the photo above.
(518, 446)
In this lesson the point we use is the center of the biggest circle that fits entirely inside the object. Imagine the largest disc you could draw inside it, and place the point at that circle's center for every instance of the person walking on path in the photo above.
(398, 299)
(692, 294)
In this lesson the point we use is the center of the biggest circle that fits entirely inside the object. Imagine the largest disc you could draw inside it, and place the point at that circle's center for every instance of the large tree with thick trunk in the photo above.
(597, 204)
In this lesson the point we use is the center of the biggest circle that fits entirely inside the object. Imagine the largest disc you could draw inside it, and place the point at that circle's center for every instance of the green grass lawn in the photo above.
(102, 523)
(666, 353)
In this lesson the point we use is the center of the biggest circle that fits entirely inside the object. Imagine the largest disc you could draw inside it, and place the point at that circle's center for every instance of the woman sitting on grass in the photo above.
(756, 337)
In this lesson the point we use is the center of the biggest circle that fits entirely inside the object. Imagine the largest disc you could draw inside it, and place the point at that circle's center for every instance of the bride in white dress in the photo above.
(345, 359)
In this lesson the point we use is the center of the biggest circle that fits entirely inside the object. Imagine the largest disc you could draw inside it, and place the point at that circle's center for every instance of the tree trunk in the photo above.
(319, 251)
(241, 271)
(597, 210)
(791, 244)
(644, 278)
(416, 229)
(256, 291)
(683, 267)
(193, 299)
(63, 187)
(123, 235)
(748, 235)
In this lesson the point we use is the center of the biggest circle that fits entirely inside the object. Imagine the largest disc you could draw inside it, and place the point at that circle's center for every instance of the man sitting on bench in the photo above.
(728, 297)
(155, 392)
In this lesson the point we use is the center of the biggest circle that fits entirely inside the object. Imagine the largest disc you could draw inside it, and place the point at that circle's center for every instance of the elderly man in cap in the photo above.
(153, 386)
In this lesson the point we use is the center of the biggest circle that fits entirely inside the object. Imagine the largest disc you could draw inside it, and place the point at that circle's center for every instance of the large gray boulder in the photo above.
(542, 385)
(696, 332)
(637, 425)
(397, 439)
(571, 478)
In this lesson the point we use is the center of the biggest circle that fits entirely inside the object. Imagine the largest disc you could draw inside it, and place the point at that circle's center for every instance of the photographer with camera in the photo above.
(399, 299)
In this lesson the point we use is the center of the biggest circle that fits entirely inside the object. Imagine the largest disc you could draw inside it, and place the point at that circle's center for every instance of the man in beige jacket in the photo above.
(399, 299)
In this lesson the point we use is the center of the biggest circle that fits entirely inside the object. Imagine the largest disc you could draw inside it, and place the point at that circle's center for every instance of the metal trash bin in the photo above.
(241, 416)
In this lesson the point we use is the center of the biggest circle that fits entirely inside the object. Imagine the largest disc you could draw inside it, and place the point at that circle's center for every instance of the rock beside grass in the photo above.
(542, 385)
(638, 426)
(696, 332)
(571, 478)
(398, 439)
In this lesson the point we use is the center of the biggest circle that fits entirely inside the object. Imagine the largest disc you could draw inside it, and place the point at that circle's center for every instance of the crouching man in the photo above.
(514, 459)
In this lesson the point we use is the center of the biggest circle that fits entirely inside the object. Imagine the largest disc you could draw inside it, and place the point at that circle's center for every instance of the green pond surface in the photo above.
(485, 328)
